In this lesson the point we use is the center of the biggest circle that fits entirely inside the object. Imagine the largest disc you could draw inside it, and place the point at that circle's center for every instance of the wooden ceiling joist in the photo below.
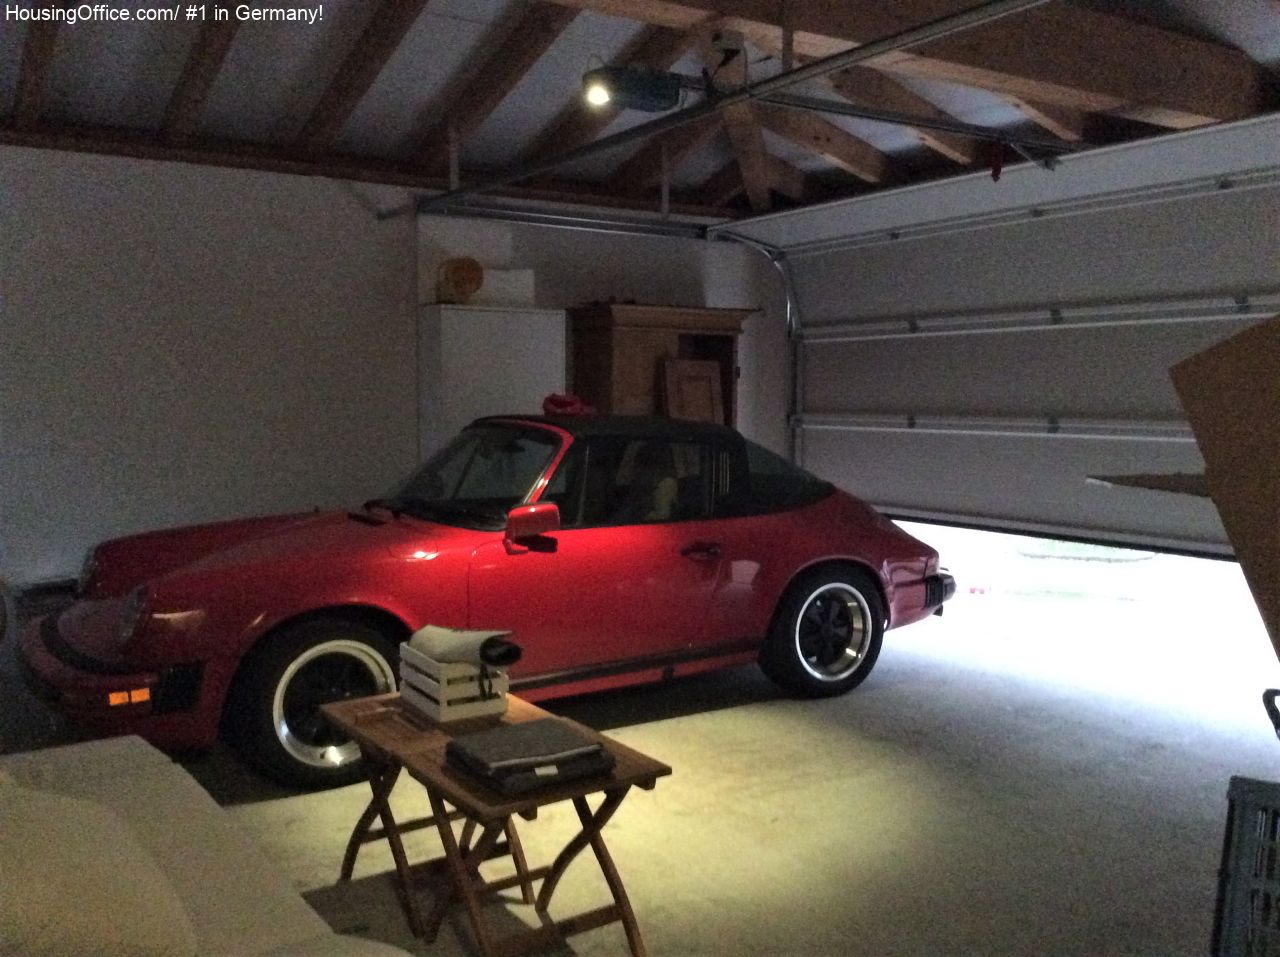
(829, 141)
(656, 48)
(1058, 54)
(361, 66)
(33, 73)
(476, 96)
(643, 170)
(238, 155)
(182, 114)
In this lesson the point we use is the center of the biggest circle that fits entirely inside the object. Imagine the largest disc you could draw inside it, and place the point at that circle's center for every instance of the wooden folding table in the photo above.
(394, 738)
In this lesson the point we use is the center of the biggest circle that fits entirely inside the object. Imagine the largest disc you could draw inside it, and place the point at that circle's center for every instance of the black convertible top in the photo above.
(639, 426)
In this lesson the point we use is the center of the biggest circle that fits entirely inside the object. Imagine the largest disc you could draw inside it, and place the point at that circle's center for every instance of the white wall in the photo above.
(182, 344)
(186, 344)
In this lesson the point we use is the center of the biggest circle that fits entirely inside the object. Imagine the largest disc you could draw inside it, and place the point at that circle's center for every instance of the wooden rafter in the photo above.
(1062, 121)
(33, 73)
(867, 87)
(292, 160)
(182, 115)
(745, 135)
(786, 179)
(526, 38)
(1059, 54)
(722, 186)
(872, 88)
(656, 48)
(643, 170)
(829, 141)
(361, 66)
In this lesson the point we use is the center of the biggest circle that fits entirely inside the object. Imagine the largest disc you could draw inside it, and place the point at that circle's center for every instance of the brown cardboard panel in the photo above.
(1183, 483)
(1231, 393)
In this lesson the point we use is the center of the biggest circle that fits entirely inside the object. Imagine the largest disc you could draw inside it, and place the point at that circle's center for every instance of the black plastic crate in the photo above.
(1247, 917)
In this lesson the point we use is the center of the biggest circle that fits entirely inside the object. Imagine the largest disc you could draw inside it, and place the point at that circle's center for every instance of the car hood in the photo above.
(326, 537)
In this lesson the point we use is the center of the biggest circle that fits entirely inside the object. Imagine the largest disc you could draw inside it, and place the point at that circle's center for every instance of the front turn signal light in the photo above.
(132, 696)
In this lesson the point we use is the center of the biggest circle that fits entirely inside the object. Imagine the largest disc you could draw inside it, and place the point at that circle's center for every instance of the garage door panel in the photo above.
(1085, 372)
(1033, 482)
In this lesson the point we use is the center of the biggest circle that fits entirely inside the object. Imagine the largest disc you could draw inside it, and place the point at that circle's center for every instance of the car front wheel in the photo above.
(275, 705)
(826, 635)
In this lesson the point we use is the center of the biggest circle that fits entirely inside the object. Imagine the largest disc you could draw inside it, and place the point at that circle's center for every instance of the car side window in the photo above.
(775, 485)
(644, 481)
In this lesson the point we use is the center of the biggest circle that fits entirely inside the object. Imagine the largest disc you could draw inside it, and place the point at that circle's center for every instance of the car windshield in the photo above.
(478, 477)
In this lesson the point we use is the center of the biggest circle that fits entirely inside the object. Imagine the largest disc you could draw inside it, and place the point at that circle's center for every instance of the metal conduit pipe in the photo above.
(934, 30)
(795, 342)
(581, 222)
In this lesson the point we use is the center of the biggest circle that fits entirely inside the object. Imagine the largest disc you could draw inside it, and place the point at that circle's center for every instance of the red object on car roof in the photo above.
(558, 404)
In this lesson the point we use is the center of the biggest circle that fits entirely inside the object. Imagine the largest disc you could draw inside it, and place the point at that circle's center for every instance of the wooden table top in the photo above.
(384, 725)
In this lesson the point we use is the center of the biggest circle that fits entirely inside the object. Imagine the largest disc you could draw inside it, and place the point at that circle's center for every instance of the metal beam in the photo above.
(946, 26)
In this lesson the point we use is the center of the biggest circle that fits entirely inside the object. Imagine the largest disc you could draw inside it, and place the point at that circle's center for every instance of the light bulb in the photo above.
(598, 94)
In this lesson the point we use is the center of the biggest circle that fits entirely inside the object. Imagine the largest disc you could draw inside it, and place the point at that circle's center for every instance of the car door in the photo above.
(761, 537)
(626, 580)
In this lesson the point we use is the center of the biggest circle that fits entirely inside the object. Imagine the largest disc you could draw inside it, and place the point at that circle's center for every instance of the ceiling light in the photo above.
(646, 90)
(596, 92)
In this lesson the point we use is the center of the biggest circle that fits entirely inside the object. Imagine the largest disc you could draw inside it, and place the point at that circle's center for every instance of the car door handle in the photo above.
(701, 550)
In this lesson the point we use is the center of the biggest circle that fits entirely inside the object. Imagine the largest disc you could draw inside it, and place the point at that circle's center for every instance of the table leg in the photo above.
(392, 832)
(517, 858)
(382, 778)
(610, 871)
(460, 869)
(591, 825)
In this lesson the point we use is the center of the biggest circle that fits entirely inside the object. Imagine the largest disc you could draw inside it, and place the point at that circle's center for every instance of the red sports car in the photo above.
(619, 550)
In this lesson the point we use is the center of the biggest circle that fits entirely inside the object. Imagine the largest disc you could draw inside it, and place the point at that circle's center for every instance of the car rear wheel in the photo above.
(275, 704)
(826, 634)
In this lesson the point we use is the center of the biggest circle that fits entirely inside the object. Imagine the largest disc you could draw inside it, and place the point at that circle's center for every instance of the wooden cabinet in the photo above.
(618, 352)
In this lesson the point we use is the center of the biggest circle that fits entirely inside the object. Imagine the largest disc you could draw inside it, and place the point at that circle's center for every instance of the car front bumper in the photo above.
(164, 706)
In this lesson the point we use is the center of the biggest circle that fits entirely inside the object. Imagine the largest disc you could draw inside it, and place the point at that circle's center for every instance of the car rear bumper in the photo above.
(163, 706)
(938, 588)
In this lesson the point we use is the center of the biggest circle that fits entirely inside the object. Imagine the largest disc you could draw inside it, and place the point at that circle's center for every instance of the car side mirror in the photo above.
(527, 523)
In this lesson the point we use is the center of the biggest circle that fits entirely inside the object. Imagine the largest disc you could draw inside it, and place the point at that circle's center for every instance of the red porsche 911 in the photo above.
(618, 550)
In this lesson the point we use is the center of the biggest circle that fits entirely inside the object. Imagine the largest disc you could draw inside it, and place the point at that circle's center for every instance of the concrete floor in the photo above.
(1041, 771)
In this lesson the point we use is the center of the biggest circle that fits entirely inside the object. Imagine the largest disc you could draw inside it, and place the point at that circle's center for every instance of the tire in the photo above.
(826, 633)
(274, 707)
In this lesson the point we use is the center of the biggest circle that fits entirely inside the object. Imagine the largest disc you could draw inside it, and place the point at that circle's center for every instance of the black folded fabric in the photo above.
(518, 758)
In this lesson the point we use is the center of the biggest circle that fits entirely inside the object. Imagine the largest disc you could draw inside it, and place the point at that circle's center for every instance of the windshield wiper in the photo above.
(485, 513)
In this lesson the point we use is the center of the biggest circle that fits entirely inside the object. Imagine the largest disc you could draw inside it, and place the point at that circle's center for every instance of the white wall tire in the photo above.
(274, 706)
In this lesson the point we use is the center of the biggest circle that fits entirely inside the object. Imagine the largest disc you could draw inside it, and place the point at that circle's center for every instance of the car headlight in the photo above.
(87, 568)
(133, 613)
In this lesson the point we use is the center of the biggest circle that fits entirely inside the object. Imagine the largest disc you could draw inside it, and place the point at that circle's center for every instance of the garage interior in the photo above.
(965, 279)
